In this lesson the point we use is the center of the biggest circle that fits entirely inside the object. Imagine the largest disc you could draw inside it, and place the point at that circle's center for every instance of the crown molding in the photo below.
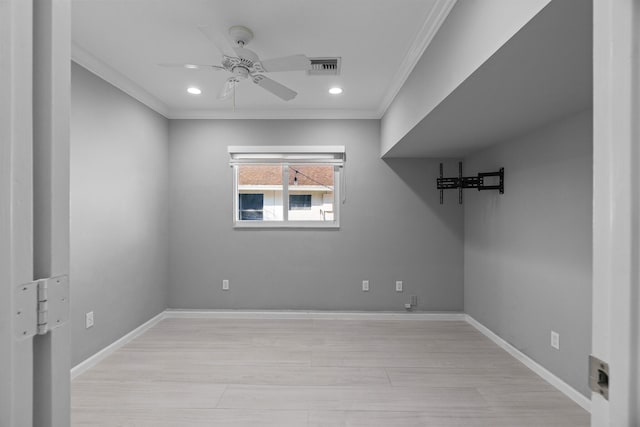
(82, 57)
(85, 59)
(425, 35)
(281, 114)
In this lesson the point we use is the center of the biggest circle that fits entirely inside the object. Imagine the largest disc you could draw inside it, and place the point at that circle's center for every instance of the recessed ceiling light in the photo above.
(335, 90)
(190, 66)
(194, 91)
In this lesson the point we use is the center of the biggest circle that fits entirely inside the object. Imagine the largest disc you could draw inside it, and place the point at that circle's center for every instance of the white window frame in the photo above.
(290, 155)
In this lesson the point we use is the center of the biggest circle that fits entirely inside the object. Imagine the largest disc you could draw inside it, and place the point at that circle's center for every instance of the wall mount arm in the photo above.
(460, 182)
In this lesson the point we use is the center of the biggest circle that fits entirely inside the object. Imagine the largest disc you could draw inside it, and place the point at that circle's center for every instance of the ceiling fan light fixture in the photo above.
(335, 90)
(245, 64)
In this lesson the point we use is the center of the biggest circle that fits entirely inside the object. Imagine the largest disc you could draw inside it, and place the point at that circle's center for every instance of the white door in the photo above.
(34, 192)
(16, 231)
(616, 209)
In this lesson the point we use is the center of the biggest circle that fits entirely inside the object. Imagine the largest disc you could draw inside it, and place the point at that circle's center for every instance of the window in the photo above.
(299, 202)
(260, 185)
(251, 206)
(286, 186)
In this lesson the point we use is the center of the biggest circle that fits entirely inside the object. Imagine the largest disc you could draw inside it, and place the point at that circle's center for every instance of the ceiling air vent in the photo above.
(324, 67)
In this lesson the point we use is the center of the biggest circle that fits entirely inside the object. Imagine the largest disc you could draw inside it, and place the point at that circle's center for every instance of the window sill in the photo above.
(306, 225)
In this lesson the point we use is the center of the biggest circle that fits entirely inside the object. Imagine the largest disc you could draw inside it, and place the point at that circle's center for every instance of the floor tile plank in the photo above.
(230, 372)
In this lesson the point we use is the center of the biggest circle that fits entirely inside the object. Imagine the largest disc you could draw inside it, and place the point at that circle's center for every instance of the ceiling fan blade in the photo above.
(228, 88)
(274, 87)
(286, 63)
(219, 40)
(193, 66)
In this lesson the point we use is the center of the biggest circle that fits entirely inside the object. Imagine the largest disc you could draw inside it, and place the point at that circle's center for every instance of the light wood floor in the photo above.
(205, 372)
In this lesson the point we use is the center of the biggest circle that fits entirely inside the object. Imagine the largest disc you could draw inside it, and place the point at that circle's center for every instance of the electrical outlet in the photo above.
(555, 340)
(88, 320)
(398, 285)
(225, 285)
(365, 285)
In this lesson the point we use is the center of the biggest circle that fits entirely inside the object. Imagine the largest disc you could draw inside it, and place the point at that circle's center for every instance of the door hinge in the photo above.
(599, 376)
(41, 305)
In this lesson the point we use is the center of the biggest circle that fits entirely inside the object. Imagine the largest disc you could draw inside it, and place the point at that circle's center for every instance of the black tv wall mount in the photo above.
(461, 182)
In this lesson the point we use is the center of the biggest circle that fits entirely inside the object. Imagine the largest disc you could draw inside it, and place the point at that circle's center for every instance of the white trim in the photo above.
(286, 224)
(286, 149)
(616, 207)
(562, 386)
(321, 154)
(236, 202)
(427, 32)
(82, 57)
(285, 197)
(310, 314)
(85, 59)
(92, 361)
(281, 114)
(425, 35)
(286, 155)
(16, 205)
(559, 384)
(297, 188)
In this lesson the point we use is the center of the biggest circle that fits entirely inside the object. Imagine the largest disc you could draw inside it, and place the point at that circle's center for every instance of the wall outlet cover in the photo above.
(365, 285)
(88, 320)
(225, 285)
(399, 286)
(555, 340)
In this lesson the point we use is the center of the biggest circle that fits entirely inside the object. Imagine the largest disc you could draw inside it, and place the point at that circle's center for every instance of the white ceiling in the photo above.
(379, 41)
(542, 74)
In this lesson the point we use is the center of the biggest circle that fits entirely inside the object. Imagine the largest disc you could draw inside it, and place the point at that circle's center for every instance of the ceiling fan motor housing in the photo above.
(241, 72)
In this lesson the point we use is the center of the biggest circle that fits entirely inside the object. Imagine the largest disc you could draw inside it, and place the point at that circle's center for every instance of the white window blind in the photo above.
(334, 154)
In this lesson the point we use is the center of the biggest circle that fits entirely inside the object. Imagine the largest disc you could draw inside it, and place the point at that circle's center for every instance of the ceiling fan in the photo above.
(246, 64)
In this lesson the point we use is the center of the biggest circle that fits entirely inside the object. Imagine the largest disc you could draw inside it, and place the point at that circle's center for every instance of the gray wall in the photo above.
(473, 31)
(392, 227)
(528, 252)
(119, 212)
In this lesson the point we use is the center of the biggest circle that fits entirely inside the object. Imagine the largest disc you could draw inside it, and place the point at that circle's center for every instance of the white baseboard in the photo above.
(562, 386)
(92, 361)
(310, 314)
